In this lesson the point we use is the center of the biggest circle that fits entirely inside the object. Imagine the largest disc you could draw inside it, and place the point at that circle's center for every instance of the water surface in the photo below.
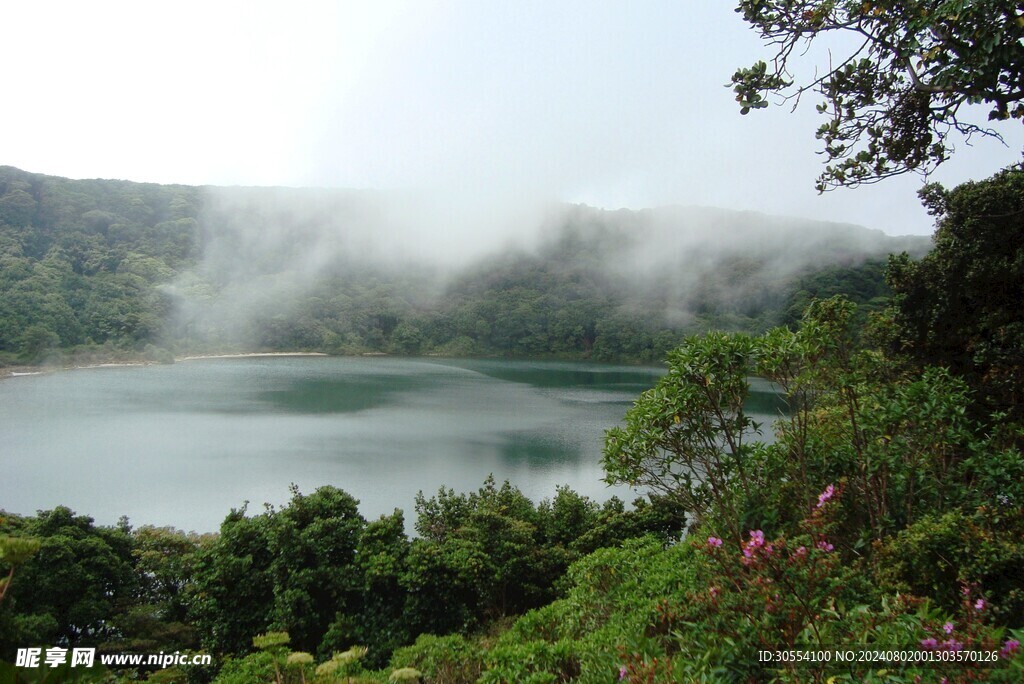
(181, 445)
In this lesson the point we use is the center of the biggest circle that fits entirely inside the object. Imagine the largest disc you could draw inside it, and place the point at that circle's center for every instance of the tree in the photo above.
(313, 545)
(689, 436)
(960, 306)
(480, 552)
(897, 95)
(381, 559)
(70, 590)
(165, 565)
(234, 584)
(292, 569)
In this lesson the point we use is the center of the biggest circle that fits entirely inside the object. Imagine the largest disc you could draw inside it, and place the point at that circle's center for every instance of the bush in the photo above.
(441, 660)
(536, 661)
(941, 556)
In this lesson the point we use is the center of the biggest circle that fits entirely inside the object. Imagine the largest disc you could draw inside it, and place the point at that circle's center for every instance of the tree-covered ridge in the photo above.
(113, 267)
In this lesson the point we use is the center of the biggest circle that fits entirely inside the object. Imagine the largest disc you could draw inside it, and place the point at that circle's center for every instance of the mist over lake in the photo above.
(182, 444)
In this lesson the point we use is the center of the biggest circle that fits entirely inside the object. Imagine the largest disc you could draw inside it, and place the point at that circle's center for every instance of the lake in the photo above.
(182, 444)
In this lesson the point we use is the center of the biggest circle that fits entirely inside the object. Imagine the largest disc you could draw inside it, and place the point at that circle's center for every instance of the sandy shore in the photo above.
(247, 355)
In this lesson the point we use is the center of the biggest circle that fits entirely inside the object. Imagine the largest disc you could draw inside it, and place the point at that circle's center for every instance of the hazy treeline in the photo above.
(112, 267)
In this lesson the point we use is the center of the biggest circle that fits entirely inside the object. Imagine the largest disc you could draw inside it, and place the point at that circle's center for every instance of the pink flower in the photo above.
(948, 628)
(713, 591)
(755, 542)
(952, 645)
(826, 495)
(801, 552)
(622, 672)
(714, 542)
(979, 605)
(929, 643)
(825, 546)
(1009, 648)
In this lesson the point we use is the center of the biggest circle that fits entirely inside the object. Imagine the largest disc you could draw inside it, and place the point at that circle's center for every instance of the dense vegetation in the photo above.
(886, 516)
(315, 567)
(105, 268)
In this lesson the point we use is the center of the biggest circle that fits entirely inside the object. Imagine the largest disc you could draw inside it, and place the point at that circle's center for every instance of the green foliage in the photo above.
(14, 551)
(960, 306)
(897, 457)
(864, 285)
(941, 556)
(690, 435)
(441, 660)
(381, 558)
(535, 661)
(234, 585)
(611, 596)
(165, 563)
(252, 669)
(701, 610)
(313, 545)
(893, 96)
(491, 553)
(480, 554)
(317, 569)
(405, 674)
(902, 447)
(70, 588)
(270, 640)
(293, 569)
(342, 664)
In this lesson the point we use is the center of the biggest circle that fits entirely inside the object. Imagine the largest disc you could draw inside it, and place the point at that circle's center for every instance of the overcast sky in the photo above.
(615, 104)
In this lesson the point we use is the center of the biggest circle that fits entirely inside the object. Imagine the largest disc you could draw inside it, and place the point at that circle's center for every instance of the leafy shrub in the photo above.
(941, 555)
(441, 660)
(536, 661)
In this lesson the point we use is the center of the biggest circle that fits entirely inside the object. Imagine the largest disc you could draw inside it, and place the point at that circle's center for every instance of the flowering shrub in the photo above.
(765, 593)
(759, 593)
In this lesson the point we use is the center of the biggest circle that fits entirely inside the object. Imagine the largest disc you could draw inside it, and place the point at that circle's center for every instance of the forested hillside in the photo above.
(113, 268)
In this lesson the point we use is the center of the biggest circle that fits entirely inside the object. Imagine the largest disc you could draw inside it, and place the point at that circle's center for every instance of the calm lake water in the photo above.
(183, 444)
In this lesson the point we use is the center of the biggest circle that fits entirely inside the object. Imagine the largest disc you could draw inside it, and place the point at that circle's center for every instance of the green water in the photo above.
(181, 445)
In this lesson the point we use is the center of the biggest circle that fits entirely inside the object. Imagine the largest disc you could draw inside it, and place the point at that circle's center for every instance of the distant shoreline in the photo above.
(246, 355)
(25, 371)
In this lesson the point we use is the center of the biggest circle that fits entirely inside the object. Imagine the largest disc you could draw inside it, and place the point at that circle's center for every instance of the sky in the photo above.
(485, 106)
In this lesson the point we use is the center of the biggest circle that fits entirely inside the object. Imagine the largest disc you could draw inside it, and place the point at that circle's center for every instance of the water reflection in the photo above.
(336, 395)
(563, 374)
(538, 450)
